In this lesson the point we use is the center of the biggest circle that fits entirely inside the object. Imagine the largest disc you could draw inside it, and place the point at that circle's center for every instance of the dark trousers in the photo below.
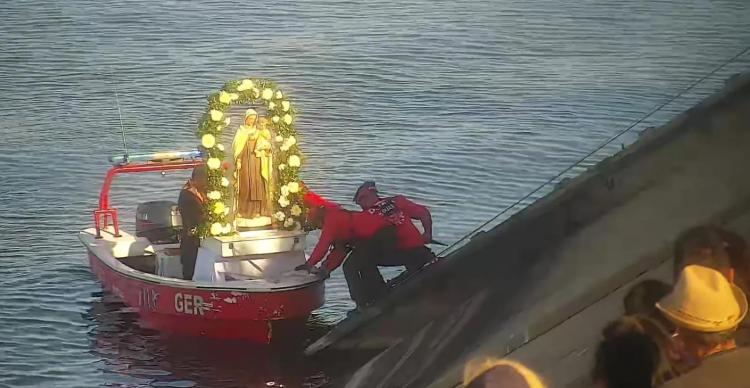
(365, 282)
(188, 254)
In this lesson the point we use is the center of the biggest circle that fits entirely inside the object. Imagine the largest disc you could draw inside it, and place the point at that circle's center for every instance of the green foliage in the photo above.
(281, 123)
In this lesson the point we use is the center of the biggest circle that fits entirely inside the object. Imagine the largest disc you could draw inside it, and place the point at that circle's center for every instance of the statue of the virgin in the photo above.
(253, 172)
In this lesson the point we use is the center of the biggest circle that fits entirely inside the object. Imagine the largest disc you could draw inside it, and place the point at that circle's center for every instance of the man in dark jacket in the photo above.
(190, 203)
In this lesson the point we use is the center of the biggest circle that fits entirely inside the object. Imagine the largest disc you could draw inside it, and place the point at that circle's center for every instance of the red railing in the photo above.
(105, 212)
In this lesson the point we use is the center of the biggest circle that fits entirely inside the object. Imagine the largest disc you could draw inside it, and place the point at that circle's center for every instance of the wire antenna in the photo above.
(119, 115)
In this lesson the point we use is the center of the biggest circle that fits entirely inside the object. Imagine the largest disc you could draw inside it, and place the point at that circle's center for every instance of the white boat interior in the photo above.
(262, 260)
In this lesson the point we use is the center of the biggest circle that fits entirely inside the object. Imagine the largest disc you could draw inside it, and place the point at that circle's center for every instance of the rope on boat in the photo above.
(597, 149)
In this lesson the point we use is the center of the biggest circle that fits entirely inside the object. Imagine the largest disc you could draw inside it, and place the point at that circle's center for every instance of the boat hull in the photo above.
(215, 312)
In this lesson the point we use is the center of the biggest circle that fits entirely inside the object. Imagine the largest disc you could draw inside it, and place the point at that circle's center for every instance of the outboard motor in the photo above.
(158, 221)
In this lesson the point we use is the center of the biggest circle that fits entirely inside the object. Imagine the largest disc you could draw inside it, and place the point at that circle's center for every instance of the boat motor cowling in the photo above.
(158, 221)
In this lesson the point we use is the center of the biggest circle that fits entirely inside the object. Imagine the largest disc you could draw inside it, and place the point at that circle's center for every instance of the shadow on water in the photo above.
(133, 356)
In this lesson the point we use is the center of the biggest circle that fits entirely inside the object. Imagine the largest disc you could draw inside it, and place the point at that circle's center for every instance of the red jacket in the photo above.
(399, 211)
(313, 200)
(340, 227)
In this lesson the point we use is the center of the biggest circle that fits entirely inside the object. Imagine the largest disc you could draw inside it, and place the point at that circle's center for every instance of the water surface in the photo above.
(464, 106)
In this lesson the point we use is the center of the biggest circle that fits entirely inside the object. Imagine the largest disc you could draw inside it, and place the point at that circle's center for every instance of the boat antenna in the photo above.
(119, 115)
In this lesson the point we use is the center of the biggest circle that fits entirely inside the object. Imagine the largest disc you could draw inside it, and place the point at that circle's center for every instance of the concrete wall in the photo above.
(564, 350)
(565, 256)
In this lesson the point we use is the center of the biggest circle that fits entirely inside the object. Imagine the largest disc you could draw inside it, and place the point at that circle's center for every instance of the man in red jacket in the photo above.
(399, 211)
(372, 239)
(402, 244)
(342, 232)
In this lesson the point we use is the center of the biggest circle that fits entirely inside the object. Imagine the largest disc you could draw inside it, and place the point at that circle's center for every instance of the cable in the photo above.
(597, 149)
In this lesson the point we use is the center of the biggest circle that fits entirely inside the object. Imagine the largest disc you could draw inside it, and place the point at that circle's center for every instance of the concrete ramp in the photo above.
(542, 284)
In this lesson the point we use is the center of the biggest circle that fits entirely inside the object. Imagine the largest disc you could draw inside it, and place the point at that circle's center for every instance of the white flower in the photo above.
(296, 210)
(279, 139)
(256, 92)
(279, 95)
(285, 106)
(289, 222)
(227, 121)
(224, 181)
(224, 97)
(213, 163)
(208, 140)
(226, 211)
(293, 187)
(283, 202)
(234, 96)
(275, 119)
(220, 147)
(280, 216)
(215, 195)
(267, 94)
(288, 119)
(284, 190)
(216, 115)
(294, 161)
(227, 228)
(216, 229)
(288, 143)
(245, 85)
(282, 167)
(271, 105)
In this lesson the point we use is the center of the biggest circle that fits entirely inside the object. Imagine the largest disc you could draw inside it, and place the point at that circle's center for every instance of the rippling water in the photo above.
(462, 105)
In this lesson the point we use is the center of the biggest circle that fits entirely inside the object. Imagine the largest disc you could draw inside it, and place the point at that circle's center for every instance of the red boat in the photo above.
(248, 290)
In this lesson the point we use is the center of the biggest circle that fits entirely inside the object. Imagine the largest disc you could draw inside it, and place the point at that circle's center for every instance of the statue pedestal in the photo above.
(257, 242)
(259, 254)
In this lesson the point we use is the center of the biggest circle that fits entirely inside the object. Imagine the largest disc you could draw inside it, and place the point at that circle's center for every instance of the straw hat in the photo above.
(505, 373)
(703, 300)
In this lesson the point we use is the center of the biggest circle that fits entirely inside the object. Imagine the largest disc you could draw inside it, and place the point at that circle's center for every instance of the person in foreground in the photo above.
(635, 352)
(714, 247)
(706, 309)
(641, 300)
(190, 203)
(721, 249)
(494, 373)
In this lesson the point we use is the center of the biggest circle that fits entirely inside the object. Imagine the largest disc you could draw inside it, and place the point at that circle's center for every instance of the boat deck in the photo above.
(137, 257)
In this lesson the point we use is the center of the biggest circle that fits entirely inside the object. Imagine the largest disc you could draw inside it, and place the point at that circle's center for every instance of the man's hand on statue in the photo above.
(304, 267)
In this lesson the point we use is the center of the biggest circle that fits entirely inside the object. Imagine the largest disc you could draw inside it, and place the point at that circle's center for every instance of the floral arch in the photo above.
(287, 194)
